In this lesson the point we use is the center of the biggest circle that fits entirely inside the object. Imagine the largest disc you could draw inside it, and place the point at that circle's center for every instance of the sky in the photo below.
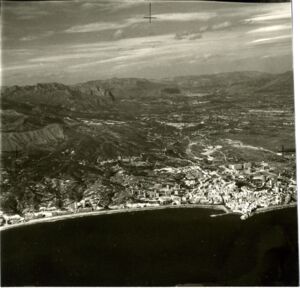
(77, 41)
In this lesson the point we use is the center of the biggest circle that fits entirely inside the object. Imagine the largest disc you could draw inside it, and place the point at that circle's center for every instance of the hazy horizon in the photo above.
(145, 78)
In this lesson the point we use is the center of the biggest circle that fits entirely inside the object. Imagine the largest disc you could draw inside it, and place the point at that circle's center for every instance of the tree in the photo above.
(13, 200)
(123, 196)
(10, 204)
(32, 199)
(53, 187)
(76, 190)
(105, 195)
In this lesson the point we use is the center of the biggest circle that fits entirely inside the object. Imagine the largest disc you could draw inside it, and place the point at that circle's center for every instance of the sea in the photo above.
(167, 247)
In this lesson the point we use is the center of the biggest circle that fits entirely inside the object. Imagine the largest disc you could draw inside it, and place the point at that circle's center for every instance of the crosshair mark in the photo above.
(150, 17)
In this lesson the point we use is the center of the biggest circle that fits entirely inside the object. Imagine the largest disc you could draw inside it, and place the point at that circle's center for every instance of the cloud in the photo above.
(29, 38)
(188, 35)
(270, 39)
(133, 49)
(221, 25)
(268, 17)
(67, 56)
(93, 27)
(203, 28)
(197, 34)
(117, 59)
(111, 5)
(185, 16)
(273, 28)
(181, 35)
(36, 37)
(118, 34)
(278, 12)
(25, 12)
(164, 17)
(104, 50)
(19, 67)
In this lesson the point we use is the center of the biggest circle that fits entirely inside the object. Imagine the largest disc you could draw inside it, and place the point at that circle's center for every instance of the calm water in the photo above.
(163, 247)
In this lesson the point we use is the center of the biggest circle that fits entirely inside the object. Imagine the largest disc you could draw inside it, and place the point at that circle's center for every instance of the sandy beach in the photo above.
(107, 212)
(127, 210)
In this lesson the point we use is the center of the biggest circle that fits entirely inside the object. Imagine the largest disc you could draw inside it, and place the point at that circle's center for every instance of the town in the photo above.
(244, 189)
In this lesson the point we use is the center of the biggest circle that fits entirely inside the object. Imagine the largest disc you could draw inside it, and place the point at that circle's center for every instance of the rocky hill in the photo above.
(16, 141)
(240, 81)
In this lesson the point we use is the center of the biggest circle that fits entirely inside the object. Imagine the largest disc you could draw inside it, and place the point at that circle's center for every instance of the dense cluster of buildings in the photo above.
(240, 188)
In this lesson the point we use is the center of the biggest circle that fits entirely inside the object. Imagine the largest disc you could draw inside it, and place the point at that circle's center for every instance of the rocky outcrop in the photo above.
(16, 141)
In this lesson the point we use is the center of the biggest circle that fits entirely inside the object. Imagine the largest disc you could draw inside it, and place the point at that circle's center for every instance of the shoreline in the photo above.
(128, 210)
(273, 208)
(109, 211)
